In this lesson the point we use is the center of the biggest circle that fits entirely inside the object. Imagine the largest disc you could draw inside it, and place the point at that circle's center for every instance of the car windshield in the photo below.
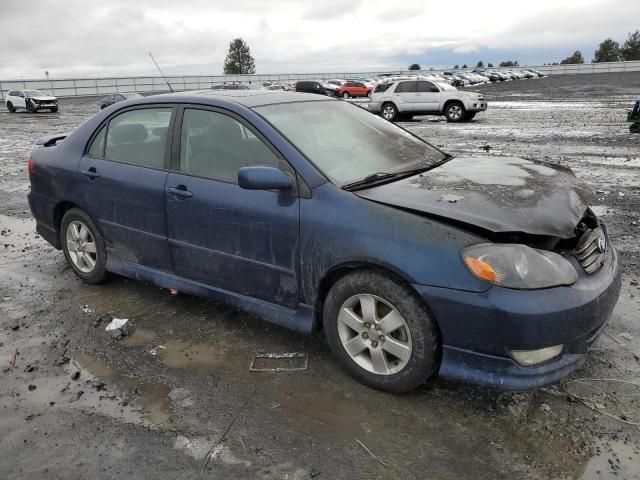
(347, 142)
(35, 93)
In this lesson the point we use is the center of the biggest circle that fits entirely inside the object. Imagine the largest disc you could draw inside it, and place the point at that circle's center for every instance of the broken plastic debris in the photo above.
(118, 327)
(86, 309)
(173, 291)
(626, 336)
(154, 350)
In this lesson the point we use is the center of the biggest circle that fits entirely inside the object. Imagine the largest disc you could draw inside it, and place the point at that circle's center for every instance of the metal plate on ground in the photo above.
(279, 362)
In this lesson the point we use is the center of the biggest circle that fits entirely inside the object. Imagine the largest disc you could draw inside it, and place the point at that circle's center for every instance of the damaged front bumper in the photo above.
(479, 330)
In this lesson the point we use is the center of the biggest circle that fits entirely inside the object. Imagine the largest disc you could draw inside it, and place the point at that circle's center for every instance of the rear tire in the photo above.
(454, 112)
(388, 111)
(381, 332)
(11, 108)
(83, 247)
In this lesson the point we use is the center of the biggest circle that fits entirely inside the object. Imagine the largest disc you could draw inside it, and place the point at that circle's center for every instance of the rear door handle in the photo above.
(91, 173)
(180, 191)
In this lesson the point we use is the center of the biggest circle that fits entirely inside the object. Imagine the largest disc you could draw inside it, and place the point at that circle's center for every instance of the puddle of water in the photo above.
(180, 354)
(613, 458)
(151, 398)
(140, 336)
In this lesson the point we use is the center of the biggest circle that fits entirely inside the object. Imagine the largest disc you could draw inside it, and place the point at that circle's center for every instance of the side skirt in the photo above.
(301, 319)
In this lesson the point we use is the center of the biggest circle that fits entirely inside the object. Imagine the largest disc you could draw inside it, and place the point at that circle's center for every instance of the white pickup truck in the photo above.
(408, 97)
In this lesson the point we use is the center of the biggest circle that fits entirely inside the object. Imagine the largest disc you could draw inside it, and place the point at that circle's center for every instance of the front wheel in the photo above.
(31, 108)
(54, 109)
(83, 247)
(345, 95)
(634, 128)
(469, 116)
(454, 112)
(389, 112)
(381, 332)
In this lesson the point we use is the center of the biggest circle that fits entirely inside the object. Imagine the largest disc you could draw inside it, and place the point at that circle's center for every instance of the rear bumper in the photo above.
(479, 330)
(43, 209)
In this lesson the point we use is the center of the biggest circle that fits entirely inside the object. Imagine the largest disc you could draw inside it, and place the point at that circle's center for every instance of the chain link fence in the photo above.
(79, 87)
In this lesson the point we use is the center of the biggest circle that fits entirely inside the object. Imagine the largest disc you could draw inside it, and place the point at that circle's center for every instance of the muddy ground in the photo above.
(78, 404)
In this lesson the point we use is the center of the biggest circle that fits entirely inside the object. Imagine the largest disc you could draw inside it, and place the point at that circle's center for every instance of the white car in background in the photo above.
(408, 97)
(30, 100)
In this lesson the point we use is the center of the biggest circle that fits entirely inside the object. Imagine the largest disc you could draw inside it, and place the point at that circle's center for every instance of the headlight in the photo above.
(518, 266)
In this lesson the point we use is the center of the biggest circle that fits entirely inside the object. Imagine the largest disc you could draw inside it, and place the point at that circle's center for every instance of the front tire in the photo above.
(83, 247)
(389, 112)
(31, 108)
(54, 109)
(634, 128)
(381, 332)
(454, 112)
(11, 108)
(345, 95)
(469, 116)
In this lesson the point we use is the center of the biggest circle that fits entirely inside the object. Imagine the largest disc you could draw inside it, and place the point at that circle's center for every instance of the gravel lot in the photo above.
(78, 404)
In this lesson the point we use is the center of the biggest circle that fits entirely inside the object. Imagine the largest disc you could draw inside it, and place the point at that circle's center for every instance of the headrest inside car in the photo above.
(129, 133)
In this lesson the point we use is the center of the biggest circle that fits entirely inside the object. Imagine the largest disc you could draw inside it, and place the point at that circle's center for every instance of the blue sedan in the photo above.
(313, 213)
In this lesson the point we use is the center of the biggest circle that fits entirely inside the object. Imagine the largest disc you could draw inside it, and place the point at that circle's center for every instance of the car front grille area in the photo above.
(590, 250)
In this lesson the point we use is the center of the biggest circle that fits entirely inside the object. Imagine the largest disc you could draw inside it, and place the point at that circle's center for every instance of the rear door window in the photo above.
(96, 149)
(139, 137)
(424, 86)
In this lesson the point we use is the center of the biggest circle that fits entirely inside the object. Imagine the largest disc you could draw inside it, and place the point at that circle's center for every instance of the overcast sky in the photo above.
(89, 38)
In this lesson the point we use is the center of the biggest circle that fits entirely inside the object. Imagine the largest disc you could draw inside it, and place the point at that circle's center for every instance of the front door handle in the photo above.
(91, 173)
(180, 191)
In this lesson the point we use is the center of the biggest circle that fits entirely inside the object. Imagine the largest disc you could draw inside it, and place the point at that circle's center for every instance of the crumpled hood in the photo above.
(499, 194)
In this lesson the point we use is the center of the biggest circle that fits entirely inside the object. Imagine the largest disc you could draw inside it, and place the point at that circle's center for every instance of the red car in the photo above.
(354, 89)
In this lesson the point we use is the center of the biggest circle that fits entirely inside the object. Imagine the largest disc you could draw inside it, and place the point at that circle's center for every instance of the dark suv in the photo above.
(311, 86)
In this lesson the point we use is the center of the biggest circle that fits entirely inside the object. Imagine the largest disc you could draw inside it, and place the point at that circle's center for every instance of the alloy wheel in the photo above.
(455, 112)
(388, 112)
(81, 246)
(374, 334)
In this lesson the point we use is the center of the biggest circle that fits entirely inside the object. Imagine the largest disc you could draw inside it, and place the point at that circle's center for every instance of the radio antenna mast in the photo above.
(158, 67)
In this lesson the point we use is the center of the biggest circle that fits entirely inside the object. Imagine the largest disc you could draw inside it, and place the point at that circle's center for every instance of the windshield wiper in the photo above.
(378, 177)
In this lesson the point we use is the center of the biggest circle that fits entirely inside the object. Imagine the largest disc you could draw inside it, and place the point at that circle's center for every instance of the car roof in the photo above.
(248, 98)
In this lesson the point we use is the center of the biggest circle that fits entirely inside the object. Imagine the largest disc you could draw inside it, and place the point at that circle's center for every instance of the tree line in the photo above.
(240, 61)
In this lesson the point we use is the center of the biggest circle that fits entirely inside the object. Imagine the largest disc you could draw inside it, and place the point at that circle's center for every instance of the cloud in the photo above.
(82, 38)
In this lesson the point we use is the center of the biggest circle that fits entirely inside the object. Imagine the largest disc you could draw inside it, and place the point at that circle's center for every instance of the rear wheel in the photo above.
(83, 246)
(11, 108)
(381, 332)
(389, 112)
(454, 112)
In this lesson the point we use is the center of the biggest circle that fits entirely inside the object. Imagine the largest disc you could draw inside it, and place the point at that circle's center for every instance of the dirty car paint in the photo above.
(498, 194)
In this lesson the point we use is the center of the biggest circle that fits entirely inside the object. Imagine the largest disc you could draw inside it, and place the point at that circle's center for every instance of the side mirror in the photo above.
(264, 178)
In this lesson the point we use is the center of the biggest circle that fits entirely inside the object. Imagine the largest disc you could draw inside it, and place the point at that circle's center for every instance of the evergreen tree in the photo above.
(239, 59)
(573, 59)
(631, 48)
(608, 51)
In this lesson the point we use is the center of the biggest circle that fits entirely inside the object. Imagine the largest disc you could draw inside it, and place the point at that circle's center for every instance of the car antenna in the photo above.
(158, 67)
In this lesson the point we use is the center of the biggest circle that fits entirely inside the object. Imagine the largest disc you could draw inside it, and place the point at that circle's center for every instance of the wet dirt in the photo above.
(138, 410)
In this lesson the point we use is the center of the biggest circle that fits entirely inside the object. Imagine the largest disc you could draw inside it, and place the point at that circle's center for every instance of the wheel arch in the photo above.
(450, 101)
(58, 212)
(337, 272)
